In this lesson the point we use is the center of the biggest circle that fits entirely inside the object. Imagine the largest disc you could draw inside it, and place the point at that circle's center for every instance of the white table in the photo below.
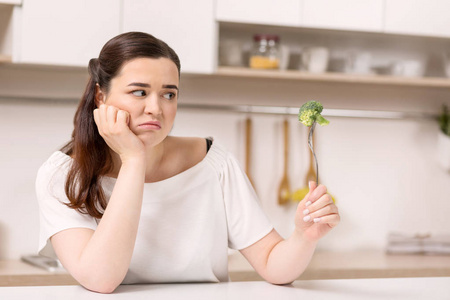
(436, 288)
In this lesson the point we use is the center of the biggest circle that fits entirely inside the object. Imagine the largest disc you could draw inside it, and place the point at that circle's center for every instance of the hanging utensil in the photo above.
(284, 192)
(248, 148)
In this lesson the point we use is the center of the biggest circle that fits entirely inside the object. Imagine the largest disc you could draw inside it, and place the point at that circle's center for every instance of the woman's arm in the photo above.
(282, 261)
(99, 259)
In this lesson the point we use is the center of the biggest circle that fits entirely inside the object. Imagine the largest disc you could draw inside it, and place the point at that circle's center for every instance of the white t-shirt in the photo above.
(187, 222)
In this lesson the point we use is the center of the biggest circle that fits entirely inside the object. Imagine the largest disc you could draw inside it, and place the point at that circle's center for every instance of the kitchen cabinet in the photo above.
(192, 35)
(418, 17)
(13, 2)
(343, 14)
(8, 17)
(271, 12)
(66, 33)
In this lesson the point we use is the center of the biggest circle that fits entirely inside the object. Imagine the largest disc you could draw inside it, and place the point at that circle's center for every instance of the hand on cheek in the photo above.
(112, 124)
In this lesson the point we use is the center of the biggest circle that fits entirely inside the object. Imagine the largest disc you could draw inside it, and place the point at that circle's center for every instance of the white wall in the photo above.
(383, 173)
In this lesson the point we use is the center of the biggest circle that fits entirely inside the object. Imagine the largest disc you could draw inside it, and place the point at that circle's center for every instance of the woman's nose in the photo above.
(153, 105)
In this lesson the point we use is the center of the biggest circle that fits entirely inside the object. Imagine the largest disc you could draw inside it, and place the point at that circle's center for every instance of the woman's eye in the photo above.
(139, 93)
(169, 96)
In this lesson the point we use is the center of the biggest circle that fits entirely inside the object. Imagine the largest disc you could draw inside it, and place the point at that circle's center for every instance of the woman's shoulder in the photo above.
(182, 153)
(51, 176)
(58, 161)
(192, 146)
(189, 151)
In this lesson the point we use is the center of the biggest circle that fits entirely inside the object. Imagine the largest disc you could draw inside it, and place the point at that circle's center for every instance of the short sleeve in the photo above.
(247, 223)
(54, 215)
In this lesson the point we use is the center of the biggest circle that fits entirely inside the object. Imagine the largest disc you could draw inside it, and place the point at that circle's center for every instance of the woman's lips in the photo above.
(155, 125)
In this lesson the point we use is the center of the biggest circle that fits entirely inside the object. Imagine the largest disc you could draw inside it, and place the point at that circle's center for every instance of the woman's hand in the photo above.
(113, 126)
(316, 214)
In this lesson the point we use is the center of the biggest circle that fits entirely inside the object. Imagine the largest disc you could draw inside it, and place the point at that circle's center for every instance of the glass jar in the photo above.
(265, 53)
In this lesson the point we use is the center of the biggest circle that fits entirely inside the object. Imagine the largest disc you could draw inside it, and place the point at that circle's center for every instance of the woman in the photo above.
(124, 202)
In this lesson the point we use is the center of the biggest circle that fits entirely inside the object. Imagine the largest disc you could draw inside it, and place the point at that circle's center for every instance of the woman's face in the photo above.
(147, 89)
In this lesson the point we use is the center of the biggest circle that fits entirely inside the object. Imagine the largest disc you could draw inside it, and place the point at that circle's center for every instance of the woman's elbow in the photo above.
(279, 282)
(101, 287)
(99, 283)
(278, 279)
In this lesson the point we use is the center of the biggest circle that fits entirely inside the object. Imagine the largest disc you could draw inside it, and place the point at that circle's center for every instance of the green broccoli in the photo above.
(310, 113)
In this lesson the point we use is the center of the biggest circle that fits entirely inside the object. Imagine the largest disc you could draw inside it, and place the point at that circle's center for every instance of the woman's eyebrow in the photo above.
(170, 86)
(140, 84)
(146, 85)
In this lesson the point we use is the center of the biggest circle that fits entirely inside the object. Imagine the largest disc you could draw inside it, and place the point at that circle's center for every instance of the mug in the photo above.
(315, 59)
(284, 57)
(358, 62)
(407, 68)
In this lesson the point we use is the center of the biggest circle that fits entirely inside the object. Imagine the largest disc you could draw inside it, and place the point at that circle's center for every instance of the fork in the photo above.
(311, 146)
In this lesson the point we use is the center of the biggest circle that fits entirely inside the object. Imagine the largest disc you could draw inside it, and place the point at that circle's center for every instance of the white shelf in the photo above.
(430, 82)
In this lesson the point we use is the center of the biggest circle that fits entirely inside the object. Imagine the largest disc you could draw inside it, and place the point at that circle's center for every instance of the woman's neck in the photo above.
(154, 158)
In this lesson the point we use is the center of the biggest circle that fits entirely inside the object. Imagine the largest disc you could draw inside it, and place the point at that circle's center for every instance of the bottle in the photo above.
(265, 53)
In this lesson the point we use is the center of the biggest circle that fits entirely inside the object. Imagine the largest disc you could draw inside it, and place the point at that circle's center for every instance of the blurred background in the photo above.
(380, 68)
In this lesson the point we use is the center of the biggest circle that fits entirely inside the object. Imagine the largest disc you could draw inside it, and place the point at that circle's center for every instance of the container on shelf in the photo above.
(265, 53)
(230, 53)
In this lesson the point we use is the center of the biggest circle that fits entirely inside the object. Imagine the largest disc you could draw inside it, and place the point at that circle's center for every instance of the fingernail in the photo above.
(309, 184)
(306, 211)
(316, 220)
(307, 218)
(307, 203)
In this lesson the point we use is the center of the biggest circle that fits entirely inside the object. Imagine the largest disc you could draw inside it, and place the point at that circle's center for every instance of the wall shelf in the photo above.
(329, 77)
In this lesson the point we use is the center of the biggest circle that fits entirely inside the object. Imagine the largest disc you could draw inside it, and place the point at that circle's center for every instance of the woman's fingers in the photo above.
(321, 202)
(97, 117)
(331, 220)
(111, 117)
(323, 211)
(316, 193)
(322, 207)
(122, 117)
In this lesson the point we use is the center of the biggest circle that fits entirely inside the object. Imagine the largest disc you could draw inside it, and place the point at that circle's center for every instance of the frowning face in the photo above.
(147, 89)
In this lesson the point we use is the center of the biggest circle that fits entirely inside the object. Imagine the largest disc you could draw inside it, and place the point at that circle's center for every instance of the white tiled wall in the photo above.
(382, 173)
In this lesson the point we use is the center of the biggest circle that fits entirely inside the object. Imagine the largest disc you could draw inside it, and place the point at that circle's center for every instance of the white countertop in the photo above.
(324, 265)
(436, 288)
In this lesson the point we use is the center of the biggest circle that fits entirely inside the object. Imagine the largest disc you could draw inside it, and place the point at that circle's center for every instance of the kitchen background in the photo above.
(385, 174)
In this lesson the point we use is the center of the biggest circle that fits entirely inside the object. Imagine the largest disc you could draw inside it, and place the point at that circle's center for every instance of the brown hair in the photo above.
(91, 156)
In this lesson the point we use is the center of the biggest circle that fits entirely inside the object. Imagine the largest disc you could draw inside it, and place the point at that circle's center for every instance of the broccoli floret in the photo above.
(310, 112)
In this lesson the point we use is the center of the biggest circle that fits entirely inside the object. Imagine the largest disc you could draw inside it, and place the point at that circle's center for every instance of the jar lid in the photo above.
(259, 37)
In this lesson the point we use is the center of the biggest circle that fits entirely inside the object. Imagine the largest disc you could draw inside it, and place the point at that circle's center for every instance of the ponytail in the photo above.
(90, 153)
(91, 156)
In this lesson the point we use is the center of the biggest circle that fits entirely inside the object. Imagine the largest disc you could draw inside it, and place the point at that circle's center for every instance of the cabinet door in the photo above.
(358, 15)
(274, 12)
(418, 17)
(188, 27)
(68, 32)
(15, 2)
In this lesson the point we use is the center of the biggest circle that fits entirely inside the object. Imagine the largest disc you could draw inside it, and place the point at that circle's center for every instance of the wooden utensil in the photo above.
(284, 191)
(248, 148)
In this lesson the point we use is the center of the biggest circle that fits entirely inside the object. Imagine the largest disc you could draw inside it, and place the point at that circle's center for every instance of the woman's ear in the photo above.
(100, 96)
